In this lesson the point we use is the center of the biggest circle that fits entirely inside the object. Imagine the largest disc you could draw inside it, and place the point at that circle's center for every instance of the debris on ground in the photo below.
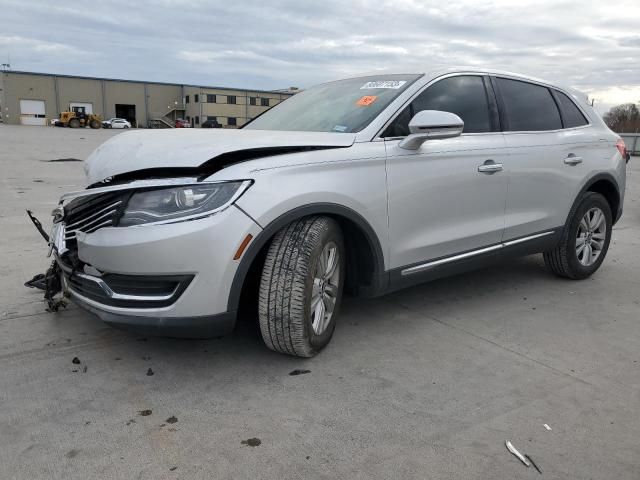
(172, 469)
(145, 413)
(299, 372)
(547, 427)
(149, 372)
(72, 453)
(172, 419)
(130, 422)
(64, 160)
(516, 453)
(252, 442)
(533, 463)
(75, 361)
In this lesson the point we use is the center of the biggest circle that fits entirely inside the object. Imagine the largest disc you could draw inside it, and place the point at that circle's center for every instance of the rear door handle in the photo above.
(572, 160)
(490, 167)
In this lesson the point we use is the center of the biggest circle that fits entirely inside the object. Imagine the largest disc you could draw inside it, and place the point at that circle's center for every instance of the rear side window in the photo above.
(528, 107)
(465, 96)
(571, 114)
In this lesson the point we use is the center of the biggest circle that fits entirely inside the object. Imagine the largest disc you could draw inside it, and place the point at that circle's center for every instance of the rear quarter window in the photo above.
(571, 114)
(528, 107)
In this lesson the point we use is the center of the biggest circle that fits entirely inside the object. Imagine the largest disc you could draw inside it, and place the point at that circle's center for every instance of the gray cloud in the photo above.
(590, 45)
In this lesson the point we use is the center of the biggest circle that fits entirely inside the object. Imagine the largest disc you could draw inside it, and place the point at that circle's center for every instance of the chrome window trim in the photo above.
(540, 83)
(550, 87)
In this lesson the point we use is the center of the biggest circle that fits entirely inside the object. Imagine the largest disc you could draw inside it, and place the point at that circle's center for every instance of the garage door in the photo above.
(32, 112)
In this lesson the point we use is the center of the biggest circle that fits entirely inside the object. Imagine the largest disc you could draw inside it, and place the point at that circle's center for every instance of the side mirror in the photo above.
(431, 125)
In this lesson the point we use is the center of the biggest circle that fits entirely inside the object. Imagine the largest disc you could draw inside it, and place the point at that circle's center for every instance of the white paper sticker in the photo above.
(340, 128)
(395, 84)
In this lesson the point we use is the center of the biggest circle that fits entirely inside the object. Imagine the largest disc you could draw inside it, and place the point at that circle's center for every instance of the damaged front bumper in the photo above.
(166, 279)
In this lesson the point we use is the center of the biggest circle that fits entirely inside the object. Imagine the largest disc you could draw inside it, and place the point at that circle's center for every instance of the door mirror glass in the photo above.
(431, 125)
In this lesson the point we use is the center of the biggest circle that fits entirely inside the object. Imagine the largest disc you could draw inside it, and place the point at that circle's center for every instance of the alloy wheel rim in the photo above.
(324, 294)
(591, 236)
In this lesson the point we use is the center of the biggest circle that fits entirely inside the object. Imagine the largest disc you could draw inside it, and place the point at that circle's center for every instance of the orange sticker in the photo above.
(366, 100)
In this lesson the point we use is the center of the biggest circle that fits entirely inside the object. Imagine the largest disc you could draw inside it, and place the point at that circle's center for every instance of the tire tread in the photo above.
(281, 303)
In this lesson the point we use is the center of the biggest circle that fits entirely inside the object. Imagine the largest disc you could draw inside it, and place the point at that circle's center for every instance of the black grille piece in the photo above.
(88, 214)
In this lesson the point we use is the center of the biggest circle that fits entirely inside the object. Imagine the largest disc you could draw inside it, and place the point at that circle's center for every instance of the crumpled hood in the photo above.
(153, 149)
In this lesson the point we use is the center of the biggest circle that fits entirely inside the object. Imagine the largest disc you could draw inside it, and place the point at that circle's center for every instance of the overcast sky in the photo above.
(591, 45)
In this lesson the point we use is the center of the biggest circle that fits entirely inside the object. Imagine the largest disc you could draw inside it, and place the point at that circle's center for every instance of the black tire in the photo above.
(74, 123)
(287, 284)
(94, 124)
(563, 259)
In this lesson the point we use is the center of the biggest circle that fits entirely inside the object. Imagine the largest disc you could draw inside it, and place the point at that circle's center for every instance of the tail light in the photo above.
(622, 148)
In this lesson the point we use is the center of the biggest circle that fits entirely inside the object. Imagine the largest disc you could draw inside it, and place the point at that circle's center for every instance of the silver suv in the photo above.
(366, 185)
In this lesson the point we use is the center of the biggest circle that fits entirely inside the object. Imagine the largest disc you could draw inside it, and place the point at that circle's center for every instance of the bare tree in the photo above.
(623, 118)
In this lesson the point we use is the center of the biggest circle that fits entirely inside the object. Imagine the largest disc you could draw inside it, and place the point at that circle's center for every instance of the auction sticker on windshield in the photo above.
(395, 84)
(366, 100)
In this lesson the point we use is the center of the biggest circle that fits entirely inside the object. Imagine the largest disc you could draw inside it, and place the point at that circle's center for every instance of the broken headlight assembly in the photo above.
(180, 203)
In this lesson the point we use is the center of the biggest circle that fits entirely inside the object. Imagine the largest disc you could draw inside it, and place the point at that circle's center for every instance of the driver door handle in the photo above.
(572, 160)
(490, 167)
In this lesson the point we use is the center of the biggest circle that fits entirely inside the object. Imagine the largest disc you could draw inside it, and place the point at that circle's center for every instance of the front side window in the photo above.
(528, 107)
(465, 96)
(571, 115)
(344, 106)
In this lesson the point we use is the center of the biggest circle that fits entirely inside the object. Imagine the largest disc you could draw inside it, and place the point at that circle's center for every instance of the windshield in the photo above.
(344, 106)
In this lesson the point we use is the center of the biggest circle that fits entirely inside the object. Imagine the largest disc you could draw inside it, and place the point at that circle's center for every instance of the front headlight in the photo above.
(176, 204)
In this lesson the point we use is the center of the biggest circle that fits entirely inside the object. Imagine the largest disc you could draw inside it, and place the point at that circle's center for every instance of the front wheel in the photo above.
(301, 286)
(585, 240)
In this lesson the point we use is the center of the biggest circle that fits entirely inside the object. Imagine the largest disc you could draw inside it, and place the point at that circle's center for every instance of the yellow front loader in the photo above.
(78, 117)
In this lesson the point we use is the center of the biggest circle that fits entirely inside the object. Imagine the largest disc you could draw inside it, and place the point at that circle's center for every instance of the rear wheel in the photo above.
(74, 123)
(585, 240)
(301, 286)
(94, 124)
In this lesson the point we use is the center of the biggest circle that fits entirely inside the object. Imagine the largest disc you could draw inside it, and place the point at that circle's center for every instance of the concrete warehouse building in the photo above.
(29, 98)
